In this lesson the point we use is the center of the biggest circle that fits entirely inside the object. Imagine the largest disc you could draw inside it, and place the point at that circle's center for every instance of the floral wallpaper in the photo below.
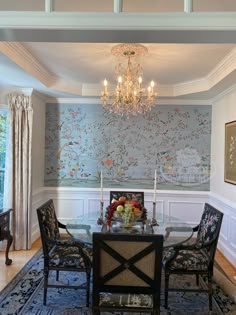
(82, 140)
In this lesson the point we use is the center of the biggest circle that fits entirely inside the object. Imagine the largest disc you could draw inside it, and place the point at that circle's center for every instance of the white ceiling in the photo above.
(77, 69)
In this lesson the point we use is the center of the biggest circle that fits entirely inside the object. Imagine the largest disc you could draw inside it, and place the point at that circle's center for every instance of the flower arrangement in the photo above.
(125, 210)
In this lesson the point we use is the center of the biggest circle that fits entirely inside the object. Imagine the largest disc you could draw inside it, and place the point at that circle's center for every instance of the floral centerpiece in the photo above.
(126, 211)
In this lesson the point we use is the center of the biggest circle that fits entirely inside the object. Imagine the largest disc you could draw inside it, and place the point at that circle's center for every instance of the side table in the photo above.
(5, 231)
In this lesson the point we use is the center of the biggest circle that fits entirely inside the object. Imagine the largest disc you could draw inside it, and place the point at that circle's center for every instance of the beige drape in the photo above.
(21, 121)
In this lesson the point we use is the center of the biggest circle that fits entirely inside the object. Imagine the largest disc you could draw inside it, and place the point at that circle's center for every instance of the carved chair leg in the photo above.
(167, 276)
(210, 291)
(45, 287)
(57, 275)
(88, 276)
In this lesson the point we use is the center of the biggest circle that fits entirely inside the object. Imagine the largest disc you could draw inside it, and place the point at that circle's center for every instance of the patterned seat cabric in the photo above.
(197, 257)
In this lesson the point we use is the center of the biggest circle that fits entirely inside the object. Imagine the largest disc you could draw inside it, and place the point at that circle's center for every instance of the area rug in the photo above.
(24, 296)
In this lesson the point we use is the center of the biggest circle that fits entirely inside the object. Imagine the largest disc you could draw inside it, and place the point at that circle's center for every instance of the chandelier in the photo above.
(129, 98)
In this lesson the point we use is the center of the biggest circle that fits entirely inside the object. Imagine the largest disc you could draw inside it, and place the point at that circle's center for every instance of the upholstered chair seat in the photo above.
(190, 260)
(66, 256)
(119, 300)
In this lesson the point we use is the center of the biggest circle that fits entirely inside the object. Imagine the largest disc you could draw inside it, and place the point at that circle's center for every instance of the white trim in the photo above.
(97, 100)
(224, 93)
(122, 21)
(22, 57)
(17, 53)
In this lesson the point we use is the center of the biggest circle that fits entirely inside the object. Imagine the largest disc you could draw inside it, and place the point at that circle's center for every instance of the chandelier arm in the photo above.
(129, 97)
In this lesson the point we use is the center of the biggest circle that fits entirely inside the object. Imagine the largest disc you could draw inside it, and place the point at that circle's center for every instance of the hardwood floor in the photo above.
(19, 259)
(7, 273)
(228, 268)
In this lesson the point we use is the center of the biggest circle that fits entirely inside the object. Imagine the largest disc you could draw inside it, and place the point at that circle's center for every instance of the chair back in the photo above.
(127, 264)
(209, 229)
(48, 224)
(130, 195)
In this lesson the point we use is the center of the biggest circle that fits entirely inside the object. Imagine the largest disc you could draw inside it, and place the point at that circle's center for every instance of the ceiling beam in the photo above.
(118, 6)
(115, 36)
(193, 27)
(188, 6)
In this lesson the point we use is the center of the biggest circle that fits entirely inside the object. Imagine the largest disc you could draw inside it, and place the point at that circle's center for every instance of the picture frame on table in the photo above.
(230, 153)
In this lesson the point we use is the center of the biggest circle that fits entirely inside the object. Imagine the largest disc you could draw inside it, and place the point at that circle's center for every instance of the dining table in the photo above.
(174, 230)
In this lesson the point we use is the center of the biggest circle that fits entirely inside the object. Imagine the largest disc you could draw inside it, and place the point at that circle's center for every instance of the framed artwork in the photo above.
(230, 152)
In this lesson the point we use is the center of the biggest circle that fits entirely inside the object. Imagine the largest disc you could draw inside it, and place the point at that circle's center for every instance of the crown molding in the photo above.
(224, 68)
(67, 86)
(18, 54)
(23, 58)
(82, 100)
(97, 101)
(224, 93)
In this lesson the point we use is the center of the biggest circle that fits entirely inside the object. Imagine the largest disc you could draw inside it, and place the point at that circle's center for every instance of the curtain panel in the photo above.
(18, 168)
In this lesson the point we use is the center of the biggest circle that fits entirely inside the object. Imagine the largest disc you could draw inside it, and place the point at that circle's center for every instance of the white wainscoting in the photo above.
(73, 202)
(38, 198)
(227, 241)
(185, 205)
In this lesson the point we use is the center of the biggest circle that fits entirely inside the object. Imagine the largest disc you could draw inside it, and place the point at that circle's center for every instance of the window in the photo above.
(3, 132)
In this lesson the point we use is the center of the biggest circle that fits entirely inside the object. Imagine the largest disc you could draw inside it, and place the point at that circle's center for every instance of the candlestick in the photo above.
(154, 220)
(155, 187)
(100, 220)
(101, 187)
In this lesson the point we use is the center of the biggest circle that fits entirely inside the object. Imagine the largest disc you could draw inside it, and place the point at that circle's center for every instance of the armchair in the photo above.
(126, 272)
(196, 257)
(60, 254)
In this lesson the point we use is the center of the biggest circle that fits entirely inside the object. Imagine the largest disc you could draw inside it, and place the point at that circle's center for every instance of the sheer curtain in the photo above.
(17, 188)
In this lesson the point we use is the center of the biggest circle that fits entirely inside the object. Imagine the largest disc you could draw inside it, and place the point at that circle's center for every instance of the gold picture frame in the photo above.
(230, 152)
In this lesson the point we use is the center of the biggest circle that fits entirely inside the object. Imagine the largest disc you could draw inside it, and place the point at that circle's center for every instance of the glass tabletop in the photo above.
(174, 232)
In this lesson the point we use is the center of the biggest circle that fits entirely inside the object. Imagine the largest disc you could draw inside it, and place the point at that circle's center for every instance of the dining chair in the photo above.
(60, 254)
(197, 256)
(130, 195)
(127, 272)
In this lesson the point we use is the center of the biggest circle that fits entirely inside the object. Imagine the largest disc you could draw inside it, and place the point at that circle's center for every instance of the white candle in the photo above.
(155, 186)
(101, 187)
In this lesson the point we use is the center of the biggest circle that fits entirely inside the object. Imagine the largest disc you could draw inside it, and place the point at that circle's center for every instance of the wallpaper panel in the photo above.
(82, 140)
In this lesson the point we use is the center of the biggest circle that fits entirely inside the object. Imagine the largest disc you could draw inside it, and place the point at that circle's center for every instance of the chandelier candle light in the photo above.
(129, 97)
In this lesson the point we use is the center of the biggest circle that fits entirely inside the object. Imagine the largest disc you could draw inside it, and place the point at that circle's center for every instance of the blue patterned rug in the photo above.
(24, 296)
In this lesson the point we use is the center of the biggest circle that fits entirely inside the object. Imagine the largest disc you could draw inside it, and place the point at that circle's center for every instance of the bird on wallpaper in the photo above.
(85, 175)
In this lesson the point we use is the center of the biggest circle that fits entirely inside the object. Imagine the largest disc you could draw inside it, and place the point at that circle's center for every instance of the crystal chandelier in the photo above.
(129, 98)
